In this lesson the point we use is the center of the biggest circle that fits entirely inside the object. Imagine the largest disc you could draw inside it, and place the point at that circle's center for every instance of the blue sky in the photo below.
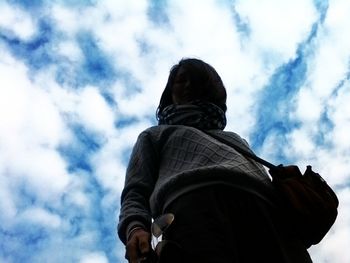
(79, 80)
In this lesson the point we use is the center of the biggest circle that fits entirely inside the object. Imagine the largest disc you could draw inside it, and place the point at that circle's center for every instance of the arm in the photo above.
(135, 219)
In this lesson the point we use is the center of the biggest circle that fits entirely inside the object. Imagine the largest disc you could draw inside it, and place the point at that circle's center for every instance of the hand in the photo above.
(138, 246)
(284, 172)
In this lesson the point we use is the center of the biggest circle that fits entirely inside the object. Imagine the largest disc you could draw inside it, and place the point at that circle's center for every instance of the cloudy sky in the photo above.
(79, 80)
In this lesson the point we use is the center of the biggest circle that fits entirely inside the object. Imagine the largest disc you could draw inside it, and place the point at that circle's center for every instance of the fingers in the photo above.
(132, 251)
(144, 243)
(282, 172)
(292, 170)
(277, 171)
(138, 246)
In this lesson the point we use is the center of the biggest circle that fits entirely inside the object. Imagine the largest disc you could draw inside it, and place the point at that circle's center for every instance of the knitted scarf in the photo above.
(198, 114)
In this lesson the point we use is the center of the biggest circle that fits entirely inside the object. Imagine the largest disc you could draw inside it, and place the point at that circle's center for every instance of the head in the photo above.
(193, 79)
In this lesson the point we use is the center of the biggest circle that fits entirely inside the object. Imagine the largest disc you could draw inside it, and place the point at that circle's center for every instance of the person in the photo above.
(224, 205)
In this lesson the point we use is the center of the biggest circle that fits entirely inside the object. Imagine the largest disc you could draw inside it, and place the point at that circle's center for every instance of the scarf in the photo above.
(198, 114)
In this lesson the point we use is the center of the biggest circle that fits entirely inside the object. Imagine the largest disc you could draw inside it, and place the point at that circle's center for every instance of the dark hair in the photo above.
(205, 84)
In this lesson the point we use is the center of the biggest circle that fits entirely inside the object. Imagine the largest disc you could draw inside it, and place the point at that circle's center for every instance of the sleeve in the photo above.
(141, 175)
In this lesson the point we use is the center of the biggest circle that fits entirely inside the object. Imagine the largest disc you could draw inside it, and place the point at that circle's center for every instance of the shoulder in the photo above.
(231, 136)
(159, 134)
(236, 136)
(160, 131)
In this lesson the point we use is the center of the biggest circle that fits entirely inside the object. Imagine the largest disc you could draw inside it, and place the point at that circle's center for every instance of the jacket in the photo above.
(168, 161)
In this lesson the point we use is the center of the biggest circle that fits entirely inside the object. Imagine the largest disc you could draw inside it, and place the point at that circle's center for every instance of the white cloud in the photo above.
(6, 201)
(328, 66)
(309, 108)
(93, 111)
(85, 106)
(333, 248)
(337, 21)
(70, 50)
(30, 129)
(79, 198)
(327, 94)
(302, 145)
(42, 217)
(119, 29)
(294, 23)
(68, 20)
(209, 28)
(109, 170)
(26, 110)
(108, 162)
(331, 56)
(16, 21)
(96, 257)
(339, 112)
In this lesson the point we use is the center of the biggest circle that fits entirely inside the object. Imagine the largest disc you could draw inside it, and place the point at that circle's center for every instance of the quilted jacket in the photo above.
(170, 160)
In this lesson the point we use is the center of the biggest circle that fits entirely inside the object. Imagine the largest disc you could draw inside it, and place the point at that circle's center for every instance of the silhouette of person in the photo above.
(224, 205)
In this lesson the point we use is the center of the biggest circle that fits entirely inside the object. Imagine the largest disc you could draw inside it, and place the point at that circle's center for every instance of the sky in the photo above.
(79, 80)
